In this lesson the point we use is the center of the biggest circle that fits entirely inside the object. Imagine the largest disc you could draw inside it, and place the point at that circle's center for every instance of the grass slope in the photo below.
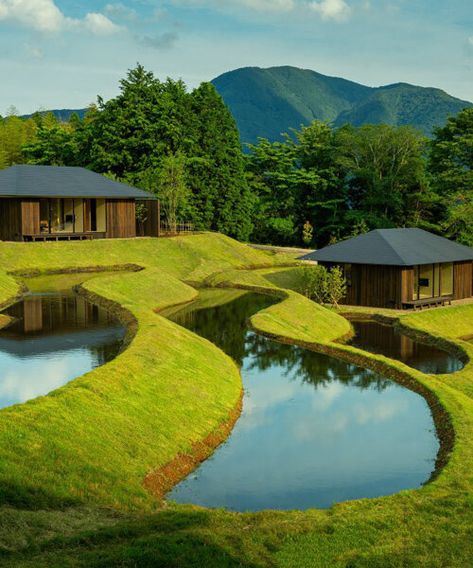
(431, 527)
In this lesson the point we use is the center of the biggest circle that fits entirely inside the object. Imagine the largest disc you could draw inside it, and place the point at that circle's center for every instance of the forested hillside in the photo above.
(319, 184)
(269, 102)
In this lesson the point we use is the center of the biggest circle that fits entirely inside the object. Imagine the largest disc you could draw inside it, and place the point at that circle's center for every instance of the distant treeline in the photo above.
(338, 182)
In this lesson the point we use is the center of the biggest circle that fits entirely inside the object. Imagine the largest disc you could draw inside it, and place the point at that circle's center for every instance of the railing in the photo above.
(178, 229)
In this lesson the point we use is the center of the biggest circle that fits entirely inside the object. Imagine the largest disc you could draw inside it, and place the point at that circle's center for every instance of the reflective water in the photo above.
(54, 338)
(314, 430)
(386, 340)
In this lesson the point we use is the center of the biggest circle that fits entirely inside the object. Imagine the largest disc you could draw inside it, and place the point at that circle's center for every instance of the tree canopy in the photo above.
(339, 182)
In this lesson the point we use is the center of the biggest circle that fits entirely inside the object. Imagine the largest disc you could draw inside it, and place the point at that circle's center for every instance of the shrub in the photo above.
(321, 285)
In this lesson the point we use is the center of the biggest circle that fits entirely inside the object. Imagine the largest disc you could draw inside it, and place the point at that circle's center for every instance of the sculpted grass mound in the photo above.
(72, 464)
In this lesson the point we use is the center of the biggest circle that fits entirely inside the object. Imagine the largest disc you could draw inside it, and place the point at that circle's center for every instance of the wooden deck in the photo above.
(63, 236)
(428, 302)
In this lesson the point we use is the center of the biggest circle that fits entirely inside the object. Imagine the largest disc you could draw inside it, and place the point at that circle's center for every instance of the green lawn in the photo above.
(72, 464)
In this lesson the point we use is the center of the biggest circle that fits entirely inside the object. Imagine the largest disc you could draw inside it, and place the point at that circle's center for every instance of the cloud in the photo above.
(40, 15)
(99, 24)
(470, 41)
(45, 16)
(337, 10)
(120, 11)
(163, 41)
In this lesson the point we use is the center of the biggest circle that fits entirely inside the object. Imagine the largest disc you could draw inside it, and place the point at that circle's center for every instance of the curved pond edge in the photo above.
(447, 345)
(159, 481)
(162, 480)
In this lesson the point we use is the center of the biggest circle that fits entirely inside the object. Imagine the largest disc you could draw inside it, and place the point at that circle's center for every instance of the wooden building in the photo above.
(401, 268)
(64, 203)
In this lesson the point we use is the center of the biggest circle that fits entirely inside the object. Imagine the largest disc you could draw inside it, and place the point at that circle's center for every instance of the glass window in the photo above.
(426, 281)
(69, 215)
(436, 280)
(57, 215)
(446, 279)
(44, 215)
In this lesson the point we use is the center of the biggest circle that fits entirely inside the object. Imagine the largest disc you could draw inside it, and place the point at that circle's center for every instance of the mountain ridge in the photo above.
(267, 102)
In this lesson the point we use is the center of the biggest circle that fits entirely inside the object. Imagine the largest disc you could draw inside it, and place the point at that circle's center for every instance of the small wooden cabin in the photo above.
(66, 203)
(400, 268)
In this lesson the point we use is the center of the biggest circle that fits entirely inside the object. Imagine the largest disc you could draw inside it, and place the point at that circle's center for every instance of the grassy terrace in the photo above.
(72, 464)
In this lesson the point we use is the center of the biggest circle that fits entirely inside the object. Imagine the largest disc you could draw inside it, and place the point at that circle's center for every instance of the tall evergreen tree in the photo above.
(221, 197)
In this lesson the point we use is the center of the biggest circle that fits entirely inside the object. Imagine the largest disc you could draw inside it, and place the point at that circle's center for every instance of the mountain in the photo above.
(63, 114)
(267, 102)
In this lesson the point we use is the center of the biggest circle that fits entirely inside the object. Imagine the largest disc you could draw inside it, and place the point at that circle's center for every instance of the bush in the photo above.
(321, 285)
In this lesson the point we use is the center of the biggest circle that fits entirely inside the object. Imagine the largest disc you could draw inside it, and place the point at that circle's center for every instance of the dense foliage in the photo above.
(318, 185)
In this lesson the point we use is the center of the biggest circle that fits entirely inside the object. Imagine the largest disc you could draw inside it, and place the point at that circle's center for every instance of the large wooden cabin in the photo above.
(65, 203)
(401, 268)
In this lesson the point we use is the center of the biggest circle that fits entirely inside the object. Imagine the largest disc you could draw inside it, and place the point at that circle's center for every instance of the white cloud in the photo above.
(337, 10)
(41, 15)
(470, 41)
(99, 24)
(45, 16)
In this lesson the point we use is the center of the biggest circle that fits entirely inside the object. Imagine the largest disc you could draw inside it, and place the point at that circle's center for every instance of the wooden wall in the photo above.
(375, 285)
(463, 279)
(10, 219)
(152, 225)
(407, 284)
(121, 222)
(30, 217)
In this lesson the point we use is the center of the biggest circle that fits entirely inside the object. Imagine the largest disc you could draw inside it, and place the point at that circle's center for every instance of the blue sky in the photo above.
(62, 54)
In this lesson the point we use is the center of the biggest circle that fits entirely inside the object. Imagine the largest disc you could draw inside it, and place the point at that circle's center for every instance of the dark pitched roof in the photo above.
(56, 181)
(395, 247)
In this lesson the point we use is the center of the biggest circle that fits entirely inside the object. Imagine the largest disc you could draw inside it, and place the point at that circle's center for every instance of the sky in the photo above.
(62, 54)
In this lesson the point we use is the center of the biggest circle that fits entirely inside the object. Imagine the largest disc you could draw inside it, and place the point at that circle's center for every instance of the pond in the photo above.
(387, 340)
(314, 430)
(55, 337)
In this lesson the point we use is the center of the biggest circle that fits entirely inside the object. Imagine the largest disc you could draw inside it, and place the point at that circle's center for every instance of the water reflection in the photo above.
(314, 430)
(386, 340)
(53, 339)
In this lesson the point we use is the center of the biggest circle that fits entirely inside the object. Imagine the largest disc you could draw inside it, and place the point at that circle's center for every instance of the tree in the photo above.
(385, 175)
(307, 233)
(141, 214)
(221, 198)
(322, 285)
(337, 285)
(451, 155)
(55, 145)
(458, 222)
(451, 167)
(172, 189)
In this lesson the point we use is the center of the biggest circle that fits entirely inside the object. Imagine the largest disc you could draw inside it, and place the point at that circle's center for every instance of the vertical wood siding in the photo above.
(10, 219)
(121, 222)
(375, 285)
(463, 279)
(30, 217)
(407, 291)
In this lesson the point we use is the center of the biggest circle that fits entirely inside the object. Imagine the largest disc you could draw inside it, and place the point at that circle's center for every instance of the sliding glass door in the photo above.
(70, 216)
(433, 281)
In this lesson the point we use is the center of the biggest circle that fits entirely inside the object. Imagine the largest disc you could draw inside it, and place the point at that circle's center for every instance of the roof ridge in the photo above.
(402, 259)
